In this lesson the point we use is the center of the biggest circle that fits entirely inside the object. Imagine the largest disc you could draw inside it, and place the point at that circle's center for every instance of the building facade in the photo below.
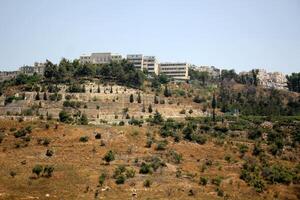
(211, 70)
(177, 71)
(137, 60)
(99, 58)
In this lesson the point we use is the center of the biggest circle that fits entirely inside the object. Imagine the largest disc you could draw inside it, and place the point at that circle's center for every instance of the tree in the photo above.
(139, 100)
(45, 96)
(37, 97)
(167, 92)
(213, 105)
(155, 100)
(150, 108)
(131, 98)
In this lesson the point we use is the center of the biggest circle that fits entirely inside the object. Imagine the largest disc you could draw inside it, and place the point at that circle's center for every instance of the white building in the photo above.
(137, 60)
(100, 58)
(150, 64)
(211, 70)
(177, 71)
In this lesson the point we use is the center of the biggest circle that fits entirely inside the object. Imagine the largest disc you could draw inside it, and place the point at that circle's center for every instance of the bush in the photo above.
(203, 181)
(109, 156)
(130, 173)
(162, 145)
(146, 168)
(278, 174)
(37, 169)
(102, 179)
(243, 148)
(49, 153)
(120, 179)
(98, 136)
(147, 183)
(176, 157)
(84, 139)
(65, 117)
(217, 181)
(48, 170)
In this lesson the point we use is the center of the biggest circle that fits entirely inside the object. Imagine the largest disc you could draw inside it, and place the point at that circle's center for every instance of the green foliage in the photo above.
(162, 145)
(84, 139)
(278, 174)
(217, 181)
(109, 156)
(83, 120)
(65, 117)
(147, 183)
(72, 104)
(37, 169)
(22, 79)
(101, 179)
(203, 181)
(175, 156)
(120, 179)
(131, 99)
(293, 82)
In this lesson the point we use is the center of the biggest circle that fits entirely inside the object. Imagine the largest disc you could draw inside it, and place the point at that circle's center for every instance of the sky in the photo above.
(231, 34)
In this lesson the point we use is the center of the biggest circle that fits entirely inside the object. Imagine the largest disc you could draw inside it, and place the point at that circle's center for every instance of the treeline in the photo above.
(67, 71)
(253, 101)
(294, 82)
(226, 75)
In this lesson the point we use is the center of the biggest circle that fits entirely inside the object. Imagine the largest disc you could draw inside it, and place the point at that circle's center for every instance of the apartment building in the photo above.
(150, 64)
(99, 58)
(211, 70)
(137, 60)
(177, 71)
(142, 62)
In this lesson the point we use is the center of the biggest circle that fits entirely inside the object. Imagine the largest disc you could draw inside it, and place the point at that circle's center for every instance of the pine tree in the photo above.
(131, 98)
(155, 100)
(37, 97)
(213, 105)
(45, 96)
(139, 100)
(150, 108)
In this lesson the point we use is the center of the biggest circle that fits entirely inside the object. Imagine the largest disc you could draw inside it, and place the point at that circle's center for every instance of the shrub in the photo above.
(182, 112)
(84, 139)
(220, 192)
(162, 145)
(278, 174)
(176, 157)
(83, 120)
(200, 139)
(121, 123)
(109, 156)
(12, 173)
(98, 136)
(146, 168)
(243, 148)
(147, 183)
(130, 173)
(101, 179)
(217, 181)
(120, 179)
(49, 153)
(254, 134)
(65, 117)
(48, 170)
(257, 150)
(203, 181)
(37, 169)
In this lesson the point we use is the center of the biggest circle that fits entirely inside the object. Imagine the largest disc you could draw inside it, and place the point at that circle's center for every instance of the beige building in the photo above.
(100, 58)
(6, 75)
(177, 70)
(38, 68)
(142, 62)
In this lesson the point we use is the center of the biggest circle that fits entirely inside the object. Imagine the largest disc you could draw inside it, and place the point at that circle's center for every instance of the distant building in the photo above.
(6, 75)
(38, 68)
(266, 79)
(177, 70)
(137, 60)
(142, 62)
(211, 70)
(99, 58)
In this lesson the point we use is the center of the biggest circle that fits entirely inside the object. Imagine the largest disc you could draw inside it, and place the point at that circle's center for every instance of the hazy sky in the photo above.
(239, 34)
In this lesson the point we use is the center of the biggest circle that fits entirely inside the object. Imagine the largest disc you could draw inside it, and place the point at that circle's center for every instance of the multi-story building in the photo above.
(150, 64)
(137, 60)
(6, 75)
(177, 71)
(100, 58)
(211, 70)
(266, 79)
(142, 62)
(38, 68)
